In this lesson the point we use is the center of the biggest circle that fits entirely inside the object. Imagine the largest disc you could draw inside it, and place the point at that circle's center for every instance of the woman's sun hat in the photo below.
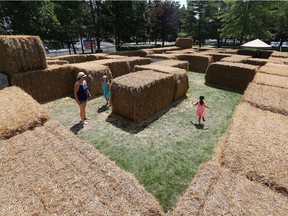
(81, 74)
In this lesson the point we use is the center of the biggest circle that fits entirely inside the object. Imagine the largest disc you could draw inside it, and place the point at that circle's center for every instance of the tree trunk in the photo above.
(81, 39)
(91, 45)
(163, 42)
(68, 44)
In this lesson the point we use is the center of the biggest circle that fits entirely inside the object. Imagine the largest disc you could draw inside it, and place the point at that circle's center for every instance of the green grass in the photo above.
(164, 152)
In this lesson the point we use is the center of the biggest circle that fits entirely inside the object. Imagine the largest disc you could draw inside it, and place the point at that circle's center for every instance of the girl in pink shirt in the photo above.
(201, 107)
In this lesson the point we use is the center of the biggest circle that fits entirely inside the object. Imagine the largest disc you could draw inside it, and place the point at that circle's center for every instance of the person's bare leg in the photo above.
(203, 118)
(82, 113)
(199, 120)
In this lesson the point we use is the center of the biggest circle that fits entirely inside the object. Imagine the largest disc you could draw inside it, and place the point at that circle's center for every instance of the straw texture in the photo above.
(55, 82)
(258, 149)
(133, 61)
(163, 49)
(180, 77)
(235, 58)
(140, 95)
(49, 171)
(271, 80)
(19, 112)
(197, 62)
(230, 75)
(218, 191)
(174, 63)
(279, 54)
(277, 59)
(118, 67)
(56, 61)
(141, 53)
(218, 56)
(163, 56)
(21, 53)
(269, 98)
(276, 69)
(184, 43)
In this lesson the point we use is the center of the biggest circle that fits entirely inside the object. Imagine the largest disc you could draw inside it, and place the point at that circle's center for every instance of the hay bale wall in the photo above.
(228, 51)
(43, 85)
(96, 56)
(140, 95)
(77, 58)
(49, 171)
(21, 53)
(140, 53)
(257, 150)
(174, 63)
(279, 54)
(277, 60)
(133, 61)
(218, 56)
(180, 77)
(56, 61)
(235, 58)
(184, 43)
(276, 69)
(95, 73)
(255, 61)
(118, 67)
(218, 191)
(163, 49)
(19, 112)
(271, 80)
(235, 76)
(197, 62)
(269, 98)
(163, 56)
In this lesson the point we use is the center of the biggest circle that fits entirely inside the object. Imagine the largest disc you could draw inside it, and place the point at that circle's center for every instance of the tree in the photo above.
(165, 20)
(279, 26)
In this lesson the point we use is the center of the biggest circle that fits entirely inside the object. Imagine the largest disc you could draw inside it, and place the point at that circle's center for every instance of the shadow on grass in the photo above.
(133, 128)
(76, 128)
(224, 88)
(199, 126)
(103, 108)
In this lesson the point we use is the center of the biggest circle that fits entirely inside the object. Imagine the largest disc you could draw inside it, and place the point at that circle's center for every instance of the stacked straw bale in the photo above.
(174, 63)
(163, 56)
(255, 61)
(279, 54)
(277, 59)
(77, 58)
(218, 56)
(21, 54)
(133, 61)
(114, 56)
(184, 51)
(235, 76)
(235, 58)
(141, 53)
(228, 51)
(96, 56)
(138, 96)
(118, 67)
(271, 80)
(49, 171)
(56, 62)
(218, 191)
(266, 97)
(258, 149)
(163, 49)
(19, 112)
(55, 82)
(180, 77)
(246, 52)
(276, 69)
(184, 43)
(264, 54)
(197, 62)
(95, 73)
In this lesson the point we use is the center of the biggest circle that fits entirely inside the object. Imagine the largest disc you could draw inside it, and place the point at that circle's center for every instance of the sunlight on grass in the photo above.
(165, 154)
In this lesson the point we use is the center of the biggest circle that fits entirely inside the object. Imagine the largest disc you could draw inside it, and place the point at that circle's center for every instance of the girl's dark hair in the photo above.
(201, 100)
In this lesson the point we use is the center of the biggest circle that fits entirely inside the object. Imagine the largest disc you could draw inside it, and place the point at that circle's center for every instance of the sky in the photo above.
(182, 2)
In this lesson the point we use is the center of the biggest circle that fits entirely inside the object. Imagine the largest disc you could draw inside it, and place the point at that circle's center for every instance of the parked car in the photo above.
(78, 45)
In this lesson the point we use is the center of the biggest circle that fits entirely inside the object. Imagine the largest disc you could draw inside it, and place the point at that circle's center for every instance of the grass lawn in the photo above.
(163, 152)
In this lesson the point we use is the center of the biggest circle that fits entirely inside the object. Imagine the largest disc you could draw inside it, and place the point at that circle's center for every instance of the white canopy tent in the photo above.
(256, 44)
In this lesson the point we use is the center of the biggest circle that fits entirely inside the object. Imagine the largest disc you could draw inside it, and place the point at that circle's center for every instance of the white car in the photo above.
(78, 45)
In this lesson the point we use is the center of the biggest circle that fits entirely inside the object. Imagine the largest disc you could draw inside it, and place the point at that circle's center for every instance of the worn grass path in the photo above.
(163, 152)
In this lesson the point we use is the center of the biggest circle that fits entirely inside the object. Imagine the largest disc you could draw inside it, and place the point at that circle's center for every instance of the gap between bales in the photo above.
(164, 154)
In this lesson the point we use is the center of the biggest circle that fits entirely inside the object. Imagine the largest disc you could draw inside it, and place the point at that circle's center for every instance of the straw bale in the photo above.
(183, 51)
(77, 58)
(271, 80)
(257, 150)
(118, 67)
(114, 56)
(21, 53)
(133, 61)
(197, 62)
(49, 171)
(277, 59)
(279, 54)
(163, 56)
(218, 56)
(180, 77)
(266, 97)
(56, 61)
(138, 96)
(218, 191)
(184, 43)
(235, 58)
(19, 112)
(55, 82)
(96, 56)
(174, 63)
(206, 49)
(95, 73)
(228, 51)
(255, 61)
(246, 52)
(276, 69)
(235, 76)
(141, 53)
(164, 49)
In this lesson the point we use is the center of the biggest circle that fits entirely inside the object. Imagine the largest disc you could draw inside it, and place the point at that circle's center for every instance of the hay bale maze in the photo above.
(49, 171)
(266, 97)
(174, 63)
(21, 53)
(55, 82)
(140, 53)
(94, 72)
(180, 77)
(235, 58)
(271, 80)
(228, 51)
(197, 62)
(228, 75)
(163, 56)
(19, 112)
(258, 149)
(218, 191)
(133, 61)
(163, 49)
(184, 43)
(218, 56)
(56, 62)
(138, 96)
(276, 69)
(77, 58)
